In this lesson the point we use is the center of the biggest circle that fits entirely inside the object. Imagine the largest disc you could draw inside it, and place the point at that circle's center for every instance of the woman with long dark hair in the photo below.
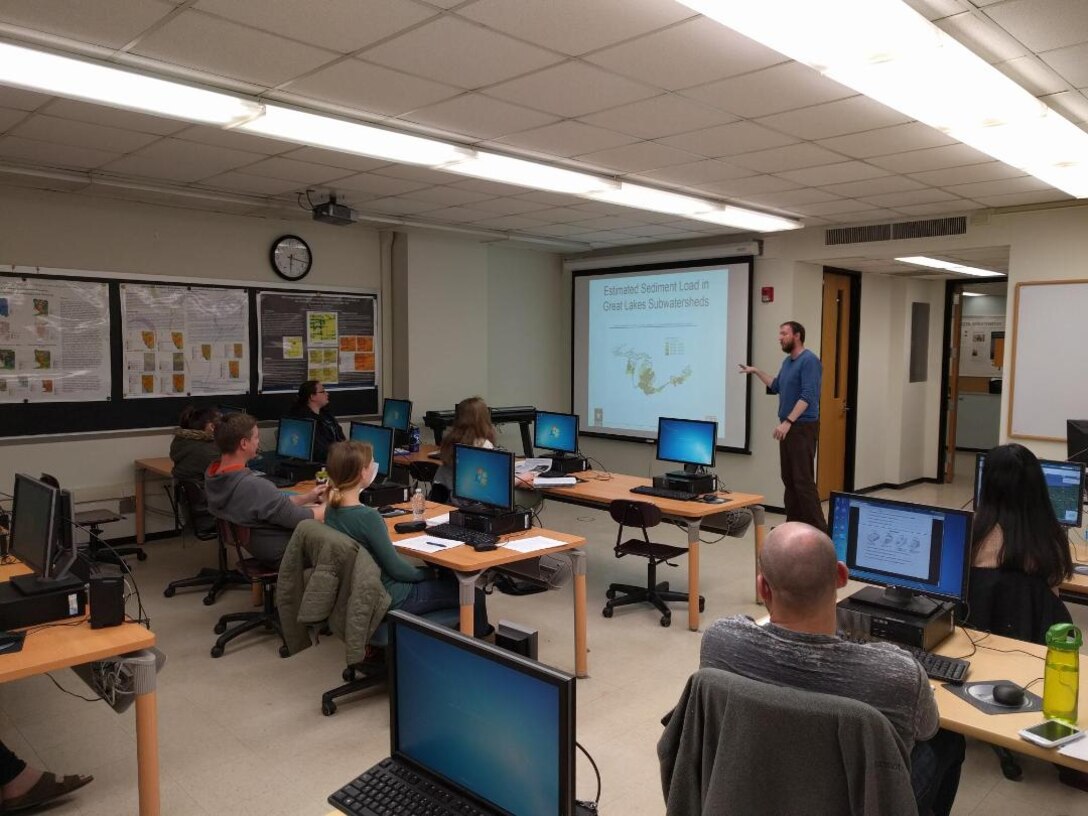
(193, 447)
(313, 403)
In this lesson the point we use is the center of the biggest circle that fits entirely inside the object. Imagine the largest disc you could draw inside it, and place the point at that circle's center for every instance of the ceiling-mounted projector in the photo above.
(332, 213)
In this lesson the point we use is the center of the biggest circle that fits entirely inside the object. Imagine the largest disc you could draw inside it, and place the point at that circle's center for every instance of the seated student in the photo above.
(414, 589)
(471, 426)
(798, 578)
(1019, 552)
(239, 495)
(23, 787)
(313, 403)
(193, 447)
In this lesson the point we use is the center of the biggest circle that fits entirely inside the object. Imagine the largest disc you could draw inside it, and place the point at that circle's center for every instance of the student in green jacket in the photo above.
(352, 468)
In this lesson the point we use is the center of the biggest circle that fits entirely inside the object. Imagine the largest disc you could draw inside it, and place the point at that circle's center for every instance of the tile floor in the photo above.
(244, 734)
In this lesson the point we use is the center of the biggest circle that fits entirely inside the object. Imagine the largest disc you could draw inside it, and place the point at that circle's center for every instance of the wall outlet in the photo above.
(126, 505)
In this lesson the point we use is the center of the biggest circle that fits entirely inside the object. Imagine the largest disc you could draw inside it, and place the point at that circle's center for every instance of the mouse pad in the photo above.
(980, 695)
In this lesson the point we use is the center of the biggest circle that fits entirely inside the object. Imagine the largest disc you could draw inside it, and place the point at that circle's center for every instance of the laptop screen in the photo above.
(492, 724)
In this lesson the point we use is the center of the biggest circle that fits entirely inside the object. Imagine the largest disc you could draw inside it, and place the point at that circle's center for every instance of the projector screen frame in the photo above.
(658, 266)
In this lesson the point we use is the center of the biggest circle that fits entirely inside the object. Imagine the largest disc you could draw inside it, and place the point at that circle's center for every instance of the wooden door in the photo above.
(951, 414)
(835, 388)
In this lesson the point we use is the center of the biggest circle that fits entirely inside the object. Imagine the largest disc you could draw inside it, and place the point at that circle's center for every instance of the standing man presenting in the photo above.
(798, 389)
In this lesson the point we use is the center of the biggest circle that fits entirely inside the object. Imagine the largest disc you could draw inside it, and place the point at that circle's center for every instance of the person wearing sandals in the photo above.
(23, 788)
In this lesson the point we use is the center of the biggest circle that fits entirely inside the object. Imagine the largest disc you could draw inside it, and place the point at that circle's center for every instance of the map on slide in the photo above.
(640, 368)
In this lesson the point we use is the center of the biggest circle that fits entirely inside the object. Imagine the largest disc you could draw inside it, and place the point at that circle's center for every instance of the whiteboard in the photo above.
(1049, 377)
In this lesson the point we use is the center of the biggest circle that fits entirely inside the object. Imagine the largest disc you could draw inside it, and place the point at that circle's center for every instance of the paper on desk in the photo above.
(427, 544)
(443, 519)
(532, 544)
(538, 465)
(1078, 749)
(555, 481)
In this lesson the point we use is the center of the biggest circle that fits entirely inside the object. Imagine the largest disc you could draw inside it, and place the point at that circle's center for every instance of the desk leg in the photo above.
(141, 478)
(761, 534)
(578, 561)
(147, 752)
(693, 575)
(467, 582)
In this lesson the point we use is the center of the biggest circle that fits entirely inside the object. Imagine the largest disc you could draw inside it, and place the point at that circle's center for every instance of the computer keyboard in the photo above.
(278, 481)
(391, 788)
(943, 669)
(455, 533)
(664, 493)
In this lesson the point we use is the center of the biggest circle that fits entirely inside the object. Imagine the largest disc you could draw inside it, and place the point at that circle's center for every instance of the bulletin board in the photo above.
(1048, 381)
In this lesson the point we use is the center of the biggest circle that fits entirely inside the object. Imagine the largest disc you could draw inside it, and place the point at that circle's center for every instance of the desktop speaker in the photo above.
(107, 601)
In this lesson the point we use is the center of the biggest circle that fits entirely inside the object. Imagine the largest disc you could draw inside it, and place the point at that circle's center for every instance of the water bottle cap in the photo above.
(1064, 637)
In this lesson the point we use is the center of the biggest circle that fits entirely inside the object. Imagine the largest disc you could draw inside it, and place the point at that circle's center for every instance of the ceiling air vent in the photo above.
(930, 228)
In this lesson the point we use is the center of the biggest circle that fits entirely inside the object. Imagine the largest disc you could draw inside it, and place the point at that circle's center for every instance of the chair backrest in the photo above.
(735, 745)
(628, 513)
(195, 509)
(233, 535)
(1013, 604)
(439, 493)
(423, 471)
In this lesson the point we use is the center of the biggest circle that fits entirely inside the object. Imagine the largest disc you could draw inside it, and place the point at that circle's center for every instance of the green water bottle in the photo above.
(1061, 678)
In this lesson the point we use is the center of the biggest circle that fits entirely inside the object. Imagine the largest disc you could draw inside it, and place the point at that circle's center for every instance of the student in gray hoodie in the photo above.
(237, 494)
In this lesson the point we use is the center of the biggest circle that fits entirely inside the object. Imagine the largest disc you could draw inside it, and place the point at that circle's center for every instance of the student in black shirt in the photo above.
(313, 403)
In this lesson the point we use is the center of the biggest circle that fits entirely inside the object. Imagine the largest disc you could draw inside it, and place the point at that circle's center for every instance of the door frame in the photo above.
(854, 348)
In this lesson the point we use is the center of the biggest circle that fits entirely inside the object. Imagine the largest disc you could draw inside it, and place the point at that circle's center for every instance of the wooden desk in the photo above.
(404, 460)
(161, 467)
(987, 664)
(467, 564)
(592, 492)
(61, 647)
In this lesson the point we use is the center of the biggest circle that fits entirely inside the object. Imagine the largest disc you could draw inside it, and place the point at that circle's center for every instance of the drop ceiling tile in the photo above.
(837, 118)
(958, 205)
(1030, 73)
(572, 89)
(1021, 184)
(567, 138)
(651, 231)
(773, 90)
(494, 188)
(983, 36)
(563, 215)
(18, 99)
(81, 134)
(834, 173)
(638, 157)
(796, 198)
(54, 155)
(212, 45)
(10, 118)
(697, 173)
(882, 141)
(378, 185)
(410, 172)
(608, 237)
(235, 139)
(575, 26)
(909, 198)
(111, 23)
(396, 206)
(752, 185)
(990, 171)
(613, 222)
(510, 206)
(254, 185)
(728, 140)
(663, 115)
(302, 173)
(340, 25)
(1043, 25)
(790, 157)
(333, 158)
(111, 117)
(933, 158)
(1018, 199)
(694, 52)
(1070, 104)
(839, 205)
(183, 161)
(936, 9)
(447, 196)
(877, 186)
(458, 215)
(1071, 63)
(509, 222)
(571, 230)
(867, 216)
(480, 117)
(553, 199)
(367, 87)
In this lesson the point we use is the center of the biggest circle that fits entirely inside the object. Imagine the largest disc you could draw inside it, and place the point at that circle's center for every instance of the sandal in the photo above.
(46, 789)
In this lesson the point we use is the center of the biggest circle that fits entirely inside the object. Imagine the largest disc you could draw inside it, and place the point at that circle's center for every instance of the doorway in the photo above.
(838, 391)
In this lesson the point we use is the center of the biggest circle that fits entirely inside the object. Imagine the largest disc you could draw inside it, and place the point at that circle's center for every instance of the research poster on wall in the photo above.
(311, 336)
(183, 341)
(54, 340)
(981, 345)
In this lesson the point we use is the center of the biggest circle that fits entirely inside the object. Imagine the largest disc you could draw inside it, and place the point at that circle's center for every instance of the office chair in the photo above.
(643, 515)
(257, 573)
(202, 525)
(422, 473)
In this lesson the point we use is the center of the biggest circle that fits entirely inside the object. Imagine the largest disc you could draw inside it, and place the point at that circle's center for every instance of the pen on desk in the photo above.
(433, 543)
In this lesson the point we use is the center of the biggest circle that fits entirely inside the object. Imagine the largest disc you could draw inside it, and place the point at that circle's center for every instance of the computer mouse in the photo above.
(710, 498)
(11, 641)
(1008, 694)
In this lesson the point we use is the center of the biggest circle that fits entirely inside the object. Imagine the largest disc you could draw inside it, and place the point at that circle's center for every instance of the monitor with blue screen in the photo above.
(688, 441)
(1064, 483)
(483, 476)
(503, 733)
(556, 432)
(380, 439)
(397, 414)
(295, 439)
(908, 548)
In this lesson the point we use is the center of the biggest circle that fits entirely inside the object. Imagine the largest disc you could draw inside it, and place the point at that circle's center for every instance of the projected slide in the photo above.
(659, 343)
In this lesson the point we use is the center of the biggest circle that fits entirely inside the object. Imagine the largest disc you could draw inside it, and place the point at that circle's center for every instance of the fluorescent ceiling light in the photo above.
(648, 198)
(948, 266)
(352, 137)
(94, 82)
(508, 170)
(890, 53)
(742, 218)
(972, 294)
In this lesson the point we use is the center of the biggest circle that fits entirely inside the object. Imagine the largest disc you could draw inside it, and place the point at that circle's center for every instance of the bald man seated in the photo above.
(798, 579)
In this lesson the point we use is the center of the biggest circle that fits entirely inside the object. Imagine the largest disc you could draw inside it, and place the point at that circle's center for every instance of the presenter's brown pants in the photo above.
(797, 453)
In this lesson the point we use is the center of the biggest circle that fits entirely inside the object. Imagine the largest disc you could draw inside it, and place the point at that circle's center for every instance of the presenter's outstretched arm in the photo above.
(763, 375)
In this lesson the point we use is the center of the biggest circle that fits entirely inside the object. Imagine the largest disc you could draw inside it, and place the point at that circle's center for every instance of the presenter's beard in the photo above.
(787, 346)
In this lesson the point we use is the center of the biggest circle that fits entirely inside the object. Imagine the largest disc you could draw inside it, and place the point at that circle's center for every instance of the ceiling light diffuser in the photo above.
(948, 266)
(524, 173)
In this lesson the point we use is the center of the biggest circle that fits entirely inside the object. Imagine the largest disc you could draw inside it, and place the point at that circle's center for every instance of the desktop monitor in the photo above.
(381, 440)
(556, 432)
(910, 549)
(1076, 440)
(1064, 483)
(688, 441)
(502, 733)
(483, 476)
(295, 439)
(396, 414)
(33, 523)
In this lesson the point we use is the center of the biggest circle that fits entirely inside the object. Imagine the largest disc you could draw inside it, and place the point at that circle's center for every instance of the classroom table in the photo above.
(595, 489)
(406, 459)
(61, 647)
(467, 564)
(161, 467)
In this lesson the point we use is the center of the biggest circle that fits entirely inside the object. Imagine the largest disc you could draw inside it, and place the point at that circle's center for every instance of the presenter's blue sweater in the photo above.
(799, 379)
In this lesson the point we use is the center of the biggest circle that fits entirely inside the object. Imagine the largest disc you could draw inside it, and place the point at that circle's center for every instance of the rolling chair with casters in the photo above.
(202, 525)
(422, 474)
(644, 515)
(257, 573)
